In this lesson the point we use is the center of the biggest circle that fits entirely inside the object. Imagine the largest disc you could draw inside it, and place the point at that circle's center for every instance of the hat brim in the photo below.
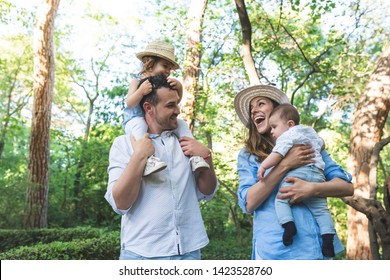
(141, 55)
(243, 99)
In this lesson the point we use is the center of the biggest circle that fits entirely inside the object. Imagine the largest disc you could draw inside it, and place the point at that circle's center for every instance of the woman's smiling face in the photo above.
(260, 109)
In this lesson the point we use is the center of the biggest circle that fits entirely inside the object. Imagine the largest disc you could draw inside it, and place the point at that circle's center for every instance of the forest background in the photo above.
(330, 57)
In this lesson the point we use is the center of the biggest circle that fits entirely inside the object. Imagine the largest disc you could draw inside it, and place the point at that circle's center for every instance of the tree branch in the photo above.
(233, 193)
(247, 42)
(372, 176)
(312, 71)
(297, 44)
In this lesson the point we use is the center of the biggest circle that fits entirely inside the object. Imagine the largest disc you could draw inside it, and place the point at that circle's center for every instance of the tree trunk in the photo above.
(37, 190)
(246, 52)
(367, 130)
(192, 59)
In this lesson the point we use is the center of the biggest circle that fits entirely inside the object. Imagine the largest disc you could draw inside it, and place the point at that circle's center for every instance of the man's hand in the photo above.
(142, 147)
(192, 147)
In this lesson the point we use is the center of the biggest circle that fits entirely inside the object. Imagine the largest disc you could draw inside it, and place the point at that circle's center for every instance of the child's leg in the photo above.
(319, 208)
(285, 218)
(137, 127)
(284, 212)
(182, 129)
(197, 163)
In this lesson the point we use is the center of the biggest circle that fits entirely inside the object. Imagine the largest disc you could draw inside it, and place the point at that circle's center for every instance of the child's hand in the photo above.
(174, 83)
(260, 173)
(145, 88)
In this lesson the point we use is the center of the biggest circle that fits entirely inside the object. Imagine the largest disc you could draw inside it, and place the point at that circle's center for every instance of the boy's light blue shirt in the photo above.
(130, 113)
(267, 233)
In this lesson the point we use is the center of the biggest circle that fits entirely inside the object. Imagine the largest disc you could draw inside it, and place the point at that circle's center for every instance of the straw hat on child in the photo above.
(160, 49)
(243, 99)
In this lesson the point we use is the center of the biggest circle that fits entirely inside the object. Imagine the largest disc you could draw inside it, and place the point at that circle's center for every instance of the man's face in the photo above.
(166, 111)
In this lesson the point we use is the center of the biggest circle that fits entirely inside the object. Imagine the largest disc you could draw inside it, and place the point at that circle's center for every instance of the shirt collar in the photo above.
(166, 133)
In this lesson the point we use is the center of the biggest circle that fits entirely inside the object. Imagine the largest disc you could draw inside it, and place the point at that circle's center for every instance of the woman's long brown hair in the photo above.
(256, 143)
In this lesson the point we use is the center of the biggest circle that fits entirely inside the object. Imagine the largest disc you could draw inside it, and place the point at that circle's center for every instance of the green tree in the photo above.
(15, 84)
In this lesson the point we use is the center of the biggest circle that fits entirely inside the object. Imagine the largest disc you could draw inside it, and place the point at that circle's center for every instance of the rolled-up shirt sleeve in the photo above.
(333, 170)
(118, 159)
(206, 197)
(247, 172)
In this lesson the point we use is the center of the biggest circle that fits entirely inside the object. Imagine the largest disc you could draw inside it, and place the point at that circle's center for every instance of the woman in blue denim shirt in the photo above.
(253, 106)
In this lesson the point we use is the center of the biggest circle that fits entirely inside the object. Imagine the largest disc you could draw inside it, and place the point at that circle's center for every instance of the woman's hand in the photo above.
(298, 191)
(298, 155)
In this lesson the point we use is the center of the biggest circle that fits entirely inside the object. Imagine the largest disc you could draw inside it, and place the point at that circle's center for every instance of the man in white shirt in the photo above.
(161, 218)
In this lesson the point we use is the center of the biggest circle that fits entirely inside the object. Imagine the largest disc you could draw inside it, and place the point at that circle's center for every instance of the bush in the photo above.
(96, 244)
(106, 247)
(228, 249)
(15, 238)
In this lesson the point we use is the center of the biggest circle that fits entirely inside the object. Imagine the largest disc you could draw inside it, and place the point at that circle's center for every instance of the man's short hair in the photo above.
(159, 81)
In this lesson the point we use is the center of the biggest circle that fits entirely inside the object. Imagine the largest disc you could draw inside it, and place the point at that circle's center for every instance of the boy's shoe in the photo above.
(198, 163)
(153, 164)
